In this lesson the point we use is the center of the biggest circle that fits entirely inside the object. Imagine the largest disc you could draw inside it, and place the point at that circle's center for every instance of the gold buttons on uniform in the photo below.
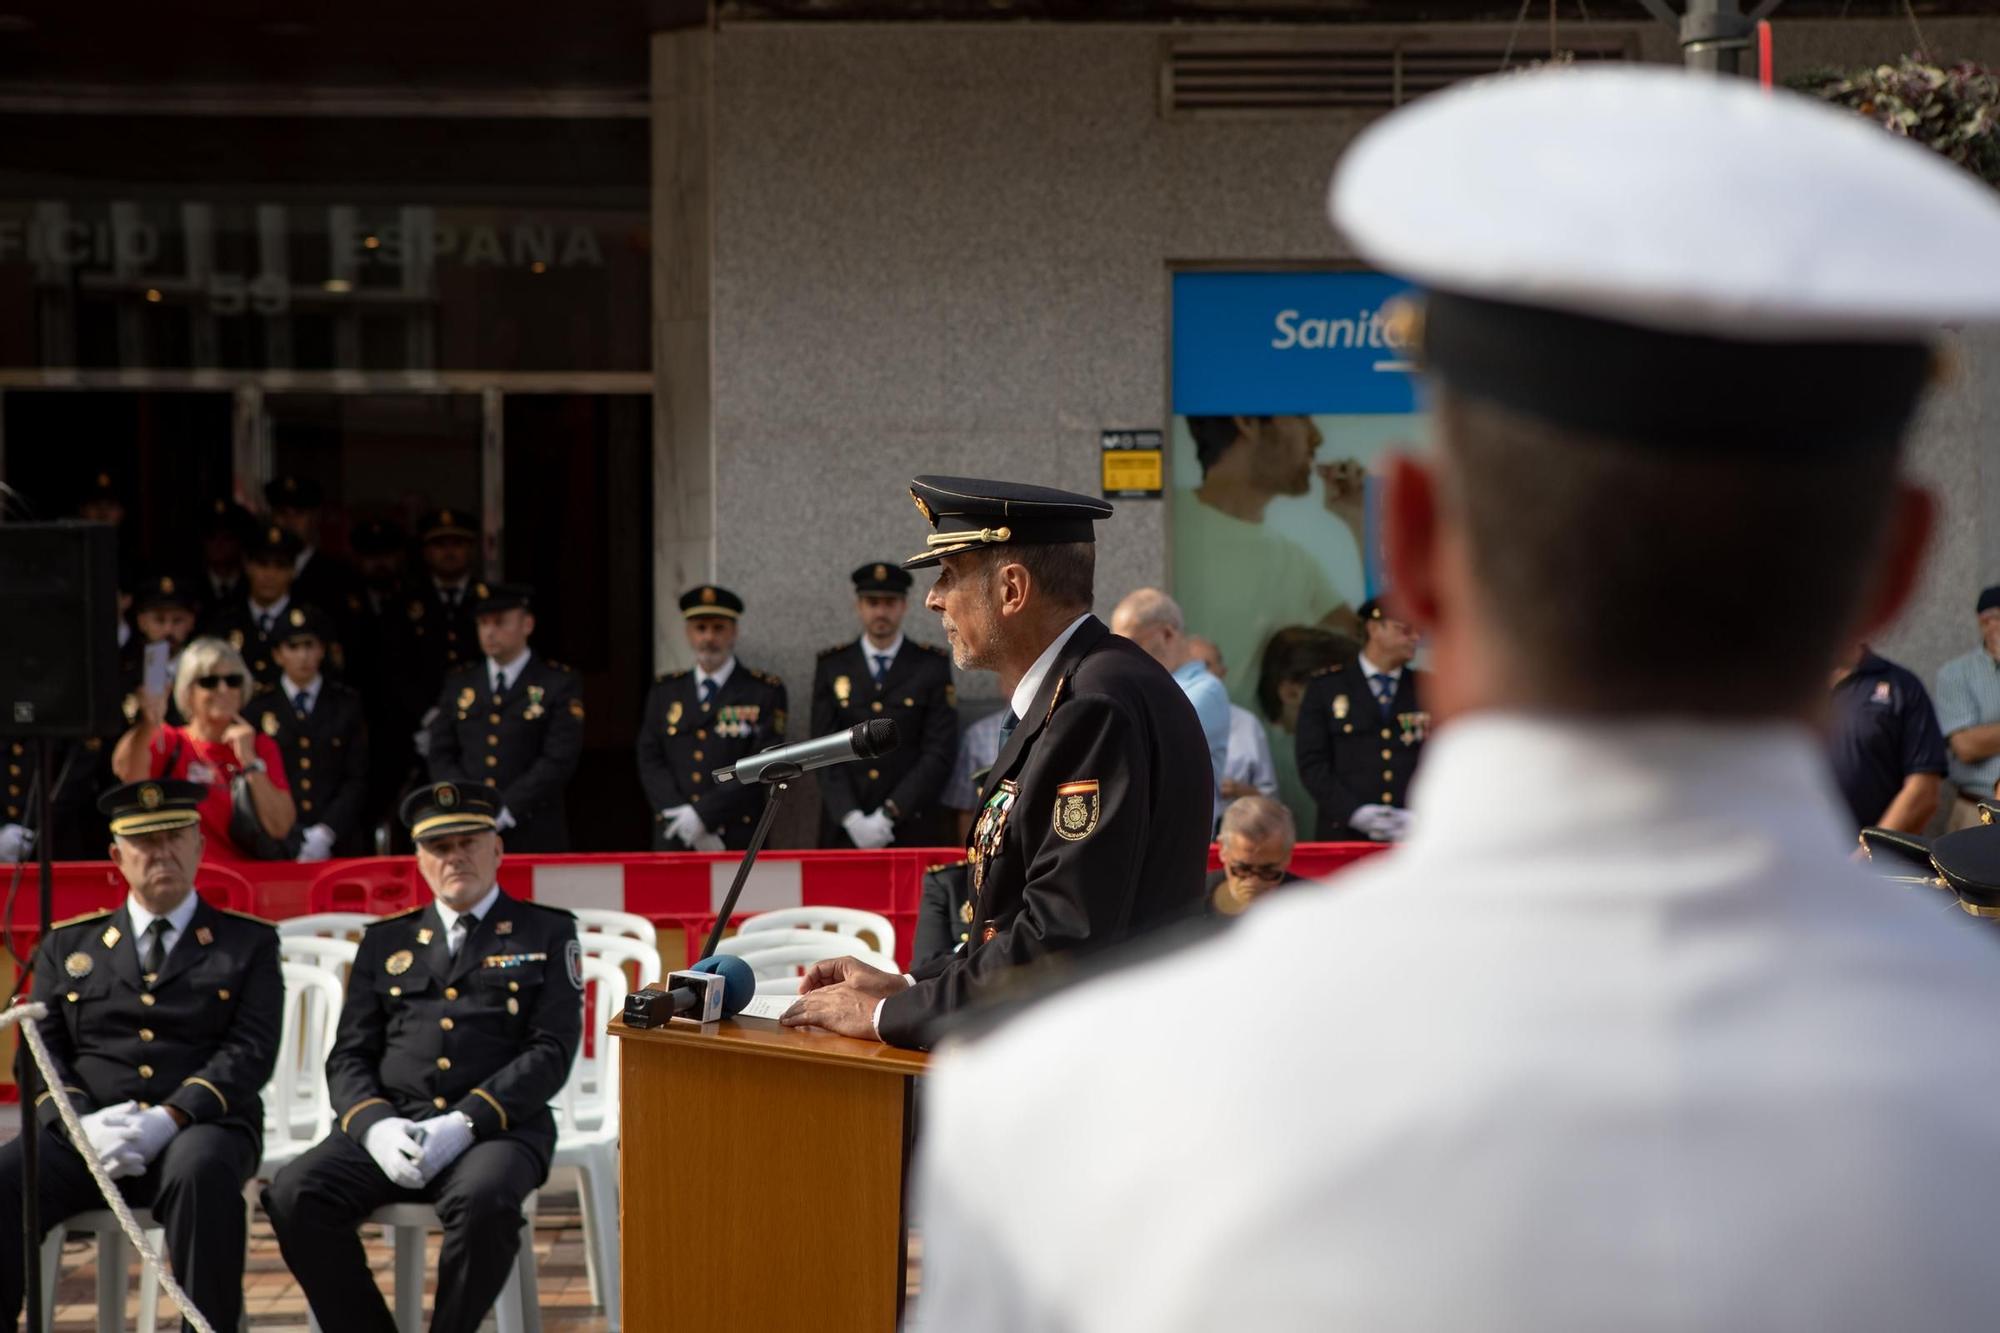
(71, 997)
(145, 1071)
(305, 762)
(877, 705)
(1385, 733)
(492, 782)
(513, 1005)
(145, 1034)
(395, 990)
(148, 999)
(438, 1102)
(493, 761)
(307, 805)
(445, 1023)
(492, 739)
(444, 1062)
(451, 992)
(700, 734)
(697, 754)
(1388, 798)
(305, 784)
(1387, 755)
(696, 776)
(513, 985)
(305, 742)
(1388, 775)
(874, 774)
(222, 995)
(493, 719)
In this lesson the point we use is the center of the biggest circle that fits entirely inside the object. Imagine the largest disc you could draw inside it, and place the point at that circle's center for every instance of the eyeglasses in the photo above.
(1270, 874)
(234, 680)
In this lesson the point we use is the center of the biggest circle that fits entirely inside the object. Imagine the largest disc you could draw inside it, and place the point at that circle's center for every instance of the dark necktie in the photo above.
(266, 619)
(881, 666)
(1007, 725)
(450, 599)
(1385, 689)
(155, 953)
(305, 703)
(707, 692)
(461, 931)
(499, 683)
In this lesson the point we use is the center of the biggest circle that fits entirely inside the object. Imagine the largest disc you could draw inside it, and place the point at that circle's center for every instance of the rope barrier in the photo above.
(27, 1015)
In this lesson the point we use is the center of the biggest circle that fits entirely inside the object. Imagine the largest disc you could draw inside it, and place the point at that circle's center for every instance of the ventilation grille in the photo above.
(1304, 77)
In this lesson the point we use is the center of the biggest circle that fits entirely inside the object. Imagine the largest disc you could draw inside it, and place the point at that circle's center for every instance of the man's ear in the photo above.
(1015, 584)
(1410, 526)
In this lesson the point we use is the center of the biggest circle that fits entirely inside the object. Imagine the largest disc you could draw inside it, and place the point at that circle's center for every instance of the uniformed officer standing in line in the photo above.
(1618, 1038)
(1362, 726)
(700, 720)
(325, 581)
(377, 665)
(461, 1022)
(885, 674)
(1093, 822)
(512, 723)
(163, 1025)
(226, 528)
(319, 728)
(252, 625)
(436, 636)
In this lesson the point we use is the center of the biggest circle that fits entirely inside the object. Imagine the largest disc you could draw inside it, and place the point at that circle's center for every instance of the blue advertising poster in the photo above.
(1287, 395)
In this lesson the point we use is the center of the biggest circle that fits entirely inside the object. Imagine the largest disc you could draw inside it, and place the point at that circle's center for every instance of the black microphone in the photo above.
(782, 763)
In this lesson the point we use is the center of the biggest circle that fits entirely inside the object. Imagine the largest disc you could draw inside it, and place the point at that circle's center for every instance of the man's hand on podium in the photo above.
(841, 995)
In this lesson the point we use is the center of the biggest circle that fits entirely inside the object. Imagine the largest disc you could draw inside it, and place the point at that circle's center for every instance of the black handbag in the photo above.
(247, 831)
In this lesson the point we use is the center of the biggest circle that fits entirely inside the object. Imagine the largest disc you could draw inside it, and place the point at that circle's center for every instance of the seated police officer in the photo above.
(461, 1022)
(318, 725)
(163, 1025)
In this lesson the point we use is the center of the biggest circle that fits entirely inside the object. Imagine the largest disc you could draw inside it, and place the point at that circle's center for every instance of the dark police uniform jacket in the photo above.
(83, 767)
(1350, 752)
(244, 631)
(522, 745)
(683, 741)
(326, 758)
(917, 694)
(492, 1032)
(944, 912)
(203, 1038)
(1092, 828)
(425, 642)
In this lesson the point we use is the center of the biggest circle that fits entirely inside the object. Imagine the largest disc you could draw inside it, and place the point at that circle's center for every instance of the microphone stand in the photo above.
(776, 777)
(29, 1080)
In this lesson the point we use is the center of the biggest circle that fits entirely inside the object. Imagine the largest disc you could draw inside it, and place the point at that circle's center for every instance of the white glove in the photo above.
(445, 1137)
(505, 820)
(112, 1135)
(16, 842)
(869, 832)
(395, 1151)
(422, 738)
(1393, 825)
(708, 842)
(155, 1126)
(1368, 819)
(683, 823)
(316, 843)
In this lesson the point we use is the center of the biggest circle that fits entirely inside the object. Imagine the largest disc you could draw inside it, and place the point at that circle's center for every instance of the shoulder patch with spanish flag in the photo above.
(1076, 810)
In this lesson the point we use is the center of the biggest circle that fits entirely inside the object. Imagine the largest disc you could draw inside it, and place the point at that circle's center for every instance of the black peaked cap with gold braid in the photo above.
(152, 806)
(445, 808)
(970, 514)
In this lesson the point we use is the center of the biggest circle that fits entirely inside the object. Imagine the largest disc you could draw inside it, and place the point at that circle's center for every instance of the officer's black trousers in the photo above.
(195, 1189)
(317, 1205)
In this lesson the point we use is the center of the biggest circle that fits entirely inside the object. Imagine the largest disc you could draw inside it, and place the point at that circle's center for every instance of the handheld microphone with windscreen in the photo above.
(714, 988)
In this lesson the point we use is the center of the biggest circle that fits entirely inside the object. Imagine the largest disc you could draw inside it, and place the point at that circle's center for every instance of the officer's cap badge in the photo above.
(881, 572)
(166, 585)
(297, 617)
(149, 796)
(399, 962)
(479, 590)
(447, 795)
(923, 508)
(708, 597)
(78, 964)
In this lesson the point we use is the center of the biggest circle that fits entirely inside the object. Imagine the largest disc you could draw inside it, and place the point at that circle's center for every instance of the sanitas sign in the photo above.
(1287, 343)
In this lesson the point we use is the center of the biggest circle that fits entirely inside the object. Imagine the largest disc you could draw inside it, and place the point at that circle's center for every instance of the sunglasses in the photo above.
(1244, 870)
(234, 680)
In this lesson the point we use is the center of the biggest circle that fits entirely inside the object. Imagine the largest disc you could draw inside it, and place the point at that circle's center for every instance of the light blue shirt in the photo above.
(1968, 695)
(977, 749)
(1211, 706)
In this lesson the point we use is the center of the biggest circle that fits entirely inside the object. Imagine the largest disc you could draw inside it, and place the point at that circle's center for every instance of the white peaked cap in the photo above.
(1675, 201)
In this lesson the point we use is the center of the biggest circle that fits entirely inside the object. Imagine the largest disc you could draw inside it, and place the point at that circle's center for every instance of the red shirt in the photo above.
(215, 763)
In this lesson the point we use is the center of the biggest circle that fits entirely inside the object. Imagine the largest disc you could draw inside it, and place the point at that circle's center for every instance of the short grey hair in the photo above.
(206, 657)
(1065, 573)
(1257, 818)
(1150, 606)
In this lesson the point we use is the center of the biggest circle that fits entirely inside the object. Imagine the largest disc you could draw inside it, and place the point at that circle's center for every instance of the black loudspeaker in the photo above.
(59, 630)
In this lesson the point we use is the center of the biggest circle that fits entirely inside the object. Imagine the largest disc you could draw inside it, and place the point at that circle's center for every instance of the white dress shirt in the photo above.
(1023, 697)
(1619, 1039)
(142, 920)
(721, 676)
(870, 652)
(314, 687)
(478, 910)
(274, 610)
(507, 675)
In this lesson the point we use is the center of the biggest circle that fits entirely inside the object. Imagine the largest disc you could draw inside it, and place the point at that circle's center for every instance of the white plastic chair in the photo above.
(112, 1260)
(779, 970)
(622, 951)
(519, 1308)
(845, 920)
(329, 953)
(298, 1110)
(333, 925)
(586, 1113)
(628, 925)
(828, 942)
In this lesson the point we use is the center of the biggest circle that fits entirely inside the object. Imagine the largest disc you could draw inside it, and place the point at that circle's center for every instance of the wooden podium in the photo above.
(761, 1176)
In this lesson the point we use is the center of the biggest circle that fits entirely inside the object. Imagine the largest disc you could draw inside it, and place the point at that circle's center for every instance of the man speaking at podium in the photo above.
(1093, 823)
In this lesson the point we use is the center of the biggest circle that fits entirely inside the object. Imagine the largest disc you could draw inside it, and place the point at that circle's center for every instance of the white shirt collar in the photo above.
(177, 920)
(292, 692)
(478, 909)
(449, 589)
(1023, 697)
(276, 608)
(722, 675)
(1368, 668)
(871, 652)
(511, 672)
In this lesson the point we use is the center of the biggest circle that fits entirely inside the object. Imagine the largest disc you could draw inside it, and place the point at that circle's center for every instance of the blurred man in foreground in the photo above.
(1618, 1039)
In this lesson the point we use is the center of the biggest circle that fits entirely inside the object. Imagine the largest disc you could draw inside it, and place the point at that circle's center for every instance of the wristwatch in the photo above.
(256, 766)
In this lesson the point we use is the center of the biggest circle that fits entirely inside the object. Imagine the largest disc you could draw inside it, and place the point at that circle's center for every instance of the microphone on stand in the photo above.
(715, 988)
(782, 763)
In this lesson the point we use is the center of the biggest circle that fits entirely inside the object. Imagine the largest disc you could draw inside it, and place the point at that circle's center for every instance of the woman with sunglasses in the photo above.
(210, 689)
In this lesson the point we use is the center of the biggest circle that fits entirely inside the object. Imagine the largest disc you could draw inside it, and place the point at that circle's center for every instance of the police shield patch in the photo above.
(574, 955)
(1076, 810)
